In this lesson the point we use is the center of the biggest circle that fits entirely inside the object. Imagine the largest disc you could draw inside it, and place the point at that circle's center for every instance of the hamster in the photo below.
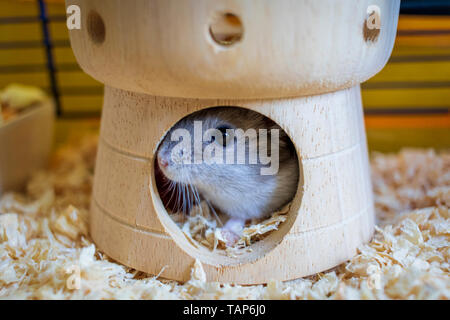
(238, 189)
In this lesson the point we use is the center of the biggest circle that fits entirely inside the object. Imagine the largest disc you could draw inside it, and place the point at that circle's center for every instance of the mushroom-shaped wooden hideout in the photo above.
(298, 62)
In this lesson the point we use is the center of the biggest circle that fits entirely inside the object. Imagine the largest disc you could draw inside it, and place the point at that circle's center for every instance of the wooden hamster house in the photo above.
(299, 63)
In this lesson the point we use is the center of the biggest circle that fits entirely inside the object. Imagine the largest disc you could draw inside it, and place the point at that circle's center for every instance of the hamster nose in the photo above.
(163, 163)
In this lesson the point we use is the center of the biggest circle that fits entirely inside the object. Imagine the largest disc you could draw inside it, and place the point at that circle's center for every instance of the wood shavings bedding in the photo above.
(44, 234)
(203, 227)
(16, 98)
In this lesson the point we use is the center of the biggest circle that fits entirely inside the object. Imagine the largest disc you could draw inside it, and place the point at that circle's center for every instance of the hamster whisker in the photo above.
(193, 198)
(179, 200)
(171, 189)
(185, 199)
(166, 181)
(168, 188)
(196, 196)
(182, 198)
(214, 212)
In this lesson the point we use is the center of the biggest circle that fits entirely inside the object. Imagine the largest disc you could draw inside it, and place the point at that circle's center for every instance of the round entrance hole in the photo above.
(226, 29)
(96, 27)
(222, 168)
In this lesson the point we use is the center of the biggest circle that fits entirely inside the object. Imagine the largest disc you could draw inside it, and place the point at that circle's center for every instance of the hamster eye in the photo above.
(225, 135)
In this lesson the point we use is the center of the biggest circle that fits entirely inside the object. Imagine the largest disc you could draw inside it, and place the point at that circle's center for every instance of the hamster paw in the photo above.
(230, 237)
(232, 231)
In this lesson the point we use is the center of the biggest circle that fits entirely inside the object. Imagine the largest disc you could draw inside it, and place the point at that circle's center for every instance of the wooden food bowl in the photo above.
(25, 145)
(299, 63)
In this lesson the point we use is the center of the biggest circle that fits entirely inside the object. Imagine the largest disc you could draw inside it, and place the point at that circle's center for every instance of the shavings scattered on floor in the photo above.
(46, 252)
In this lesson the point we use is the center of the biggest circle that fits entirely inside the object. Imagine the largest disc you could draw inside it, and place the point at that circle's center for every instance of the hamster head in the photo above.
(202, 149)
